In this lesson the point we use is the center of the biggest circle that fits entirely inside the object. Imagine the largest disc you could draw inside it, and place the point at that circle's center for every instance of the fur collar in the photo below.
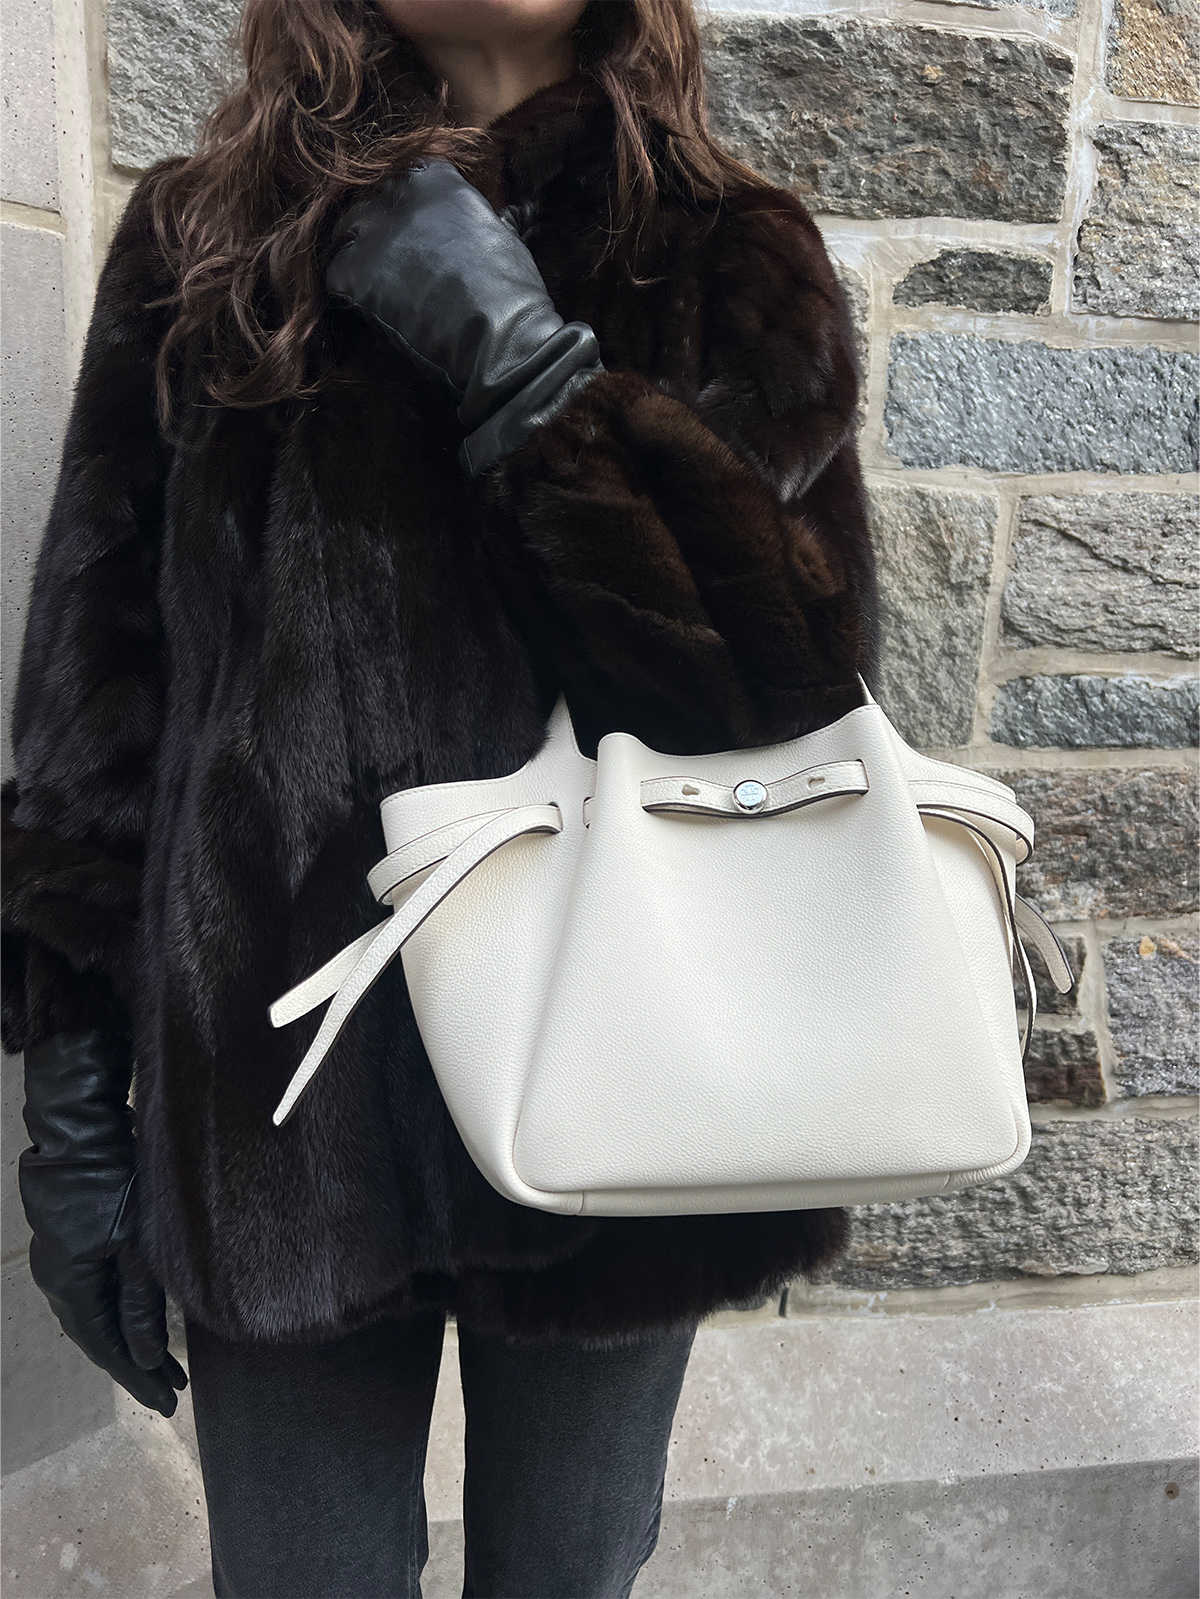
(566, 129)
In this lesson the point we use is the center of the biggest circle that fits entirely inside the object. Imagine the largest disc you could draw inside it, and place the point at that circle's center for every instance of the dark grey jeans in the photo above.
(313, 1459)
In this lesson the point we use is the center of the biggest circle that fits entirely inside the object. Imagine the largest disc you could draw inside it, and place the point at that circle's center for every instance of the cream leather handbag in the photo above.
(761, 980)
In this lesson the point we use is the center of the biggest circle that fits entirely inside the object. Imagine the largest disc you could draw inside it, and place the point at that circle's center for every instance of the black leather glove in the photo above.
(454, 288)
(78, 1189)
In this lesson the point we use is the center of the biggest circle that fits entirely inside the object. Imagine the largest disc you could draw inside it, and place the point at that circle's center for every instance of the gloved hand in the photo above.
(78, 1189)
(455, 289)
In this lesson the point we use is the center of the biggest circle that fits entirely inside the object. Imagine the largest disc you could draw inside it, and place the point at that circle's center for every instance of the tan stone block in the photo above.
(1154, 50)
(1136, 252)
(1111, 842)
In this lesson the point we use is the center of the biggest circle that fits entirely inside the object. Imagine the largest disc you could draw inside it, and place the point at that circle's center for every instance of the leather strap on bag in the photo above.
(451, 852)
(348, 976)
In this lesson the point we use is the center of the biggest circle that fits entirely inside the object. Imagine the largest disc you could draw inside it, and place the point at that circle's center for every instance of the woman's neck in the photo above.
(485, 79)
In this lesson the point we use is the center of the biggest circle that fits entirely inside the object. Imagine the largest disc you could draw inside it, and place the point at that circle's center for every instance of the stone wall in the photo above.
(1008, 191)
(1018, 242)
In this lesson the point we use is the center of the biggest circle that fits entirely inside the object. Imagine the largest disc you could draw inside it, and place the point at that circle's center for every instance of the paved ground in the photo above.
(806, 1460)
(1101, 1532)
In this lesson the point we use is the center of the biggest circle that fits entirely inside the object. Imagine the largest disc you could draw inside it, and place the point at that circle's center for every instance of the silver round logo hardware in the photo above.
(750, 796)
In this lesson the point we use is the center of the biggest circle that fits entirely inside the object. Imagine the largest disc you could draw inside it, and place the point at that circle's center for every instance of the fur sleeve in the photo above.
(698, 563)
(89, 701)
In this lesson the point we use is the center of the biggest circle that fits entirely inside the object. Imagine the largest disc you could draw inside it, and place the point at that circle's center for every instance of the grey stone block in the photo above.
(30, 127)
(1063, 1067)
(32, 417)
(169, 63)
(1128, 712)
(1110, 841)
(1153, 1013)
(1092, 1196)
(954, 399)
(1136, 254)
(52, 1394)
(870, 120)
(1154, 50)
(934, 548)
(980, 120)
(1111, 572)
(981, 280)
(1111, 1532)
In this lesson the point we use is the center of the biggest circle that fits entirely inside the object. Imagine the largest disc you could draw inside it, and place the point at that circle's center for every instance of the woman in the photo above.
(580, 423)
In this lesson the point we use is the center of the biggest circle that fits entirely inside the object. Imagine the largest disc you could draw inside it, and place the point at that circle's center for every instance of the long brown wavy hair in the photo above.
(331, 102)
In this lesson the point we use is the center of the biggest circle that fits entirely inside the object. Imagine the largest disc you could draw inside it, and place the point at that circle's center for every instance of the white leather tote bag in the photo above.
(760, 980)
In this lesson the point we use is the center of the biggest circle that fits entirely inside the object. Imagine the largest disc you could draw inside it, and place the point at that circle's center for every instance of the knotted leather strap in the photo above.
(348, 976)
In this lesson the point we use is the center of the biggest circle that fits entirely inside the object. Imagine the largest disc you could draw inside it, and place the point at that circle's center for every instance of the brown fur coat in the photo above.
(240, 640)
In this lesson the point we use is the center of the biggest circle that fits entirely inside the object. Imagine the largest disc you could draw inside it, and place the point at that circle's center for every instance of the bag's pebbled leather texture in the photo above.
(645, 1002)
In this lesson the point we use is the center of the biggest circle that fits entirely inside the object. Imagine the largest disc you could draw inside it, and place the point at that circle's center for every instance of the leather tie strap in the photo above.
(451, 852)
(1020, 918)
(351, 974)
(419, 854)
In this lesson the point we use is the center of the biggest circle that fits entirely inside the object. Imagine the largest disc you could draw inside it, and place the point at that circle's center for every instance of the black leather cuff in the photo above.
(568, 362)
